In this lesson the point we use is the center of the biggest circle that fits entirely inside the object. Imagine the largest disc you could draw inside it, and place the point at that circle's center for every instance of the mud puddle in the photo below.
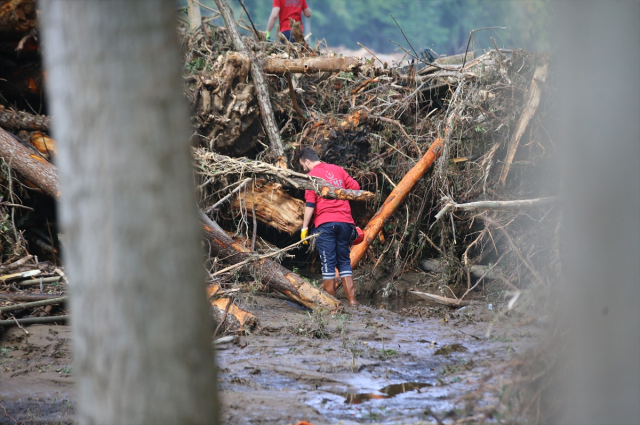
(373, 366)
(363, 365)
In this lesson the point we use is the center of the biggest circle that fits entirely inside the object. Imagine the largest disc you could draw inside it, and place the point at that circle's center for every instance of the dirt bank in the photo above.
(366, 365)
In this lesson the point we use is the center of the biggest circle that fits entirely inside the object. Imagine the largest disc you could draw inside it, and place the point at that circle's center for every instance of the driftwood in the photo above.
(395, 198)
(230, 316)
(496, 205)
(29, 165)
(18, 120)
(271, 206)
(33, 304)
(224, 164)
(270, 272)
(262, 89)
(35, 320)
(16, 264)
(530, 107)
(451, 302)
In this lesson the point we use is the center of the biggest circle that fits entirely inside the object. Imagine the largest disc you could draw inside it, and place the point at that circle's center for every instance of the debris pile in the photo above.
(454, 156)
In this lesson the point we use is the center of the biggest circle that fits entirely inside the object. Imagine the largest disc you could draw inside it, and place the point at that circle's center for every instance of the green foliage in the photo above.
(444, 23)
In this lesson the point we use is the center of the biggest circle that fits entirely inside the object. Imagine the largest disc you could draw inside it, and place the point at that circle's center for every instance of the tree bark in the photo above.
(395, 198)
(271, 127)
(141, 326)
(194, 14)
(530, 107)
(28, 164)
(310, 65)
(235, 318)
(271, 273)
(17, 120)
(273, 207)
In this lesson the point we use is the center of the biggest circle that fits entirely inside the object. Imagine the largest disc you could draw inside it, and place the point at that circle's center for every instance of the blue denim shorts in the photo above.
(333, 244)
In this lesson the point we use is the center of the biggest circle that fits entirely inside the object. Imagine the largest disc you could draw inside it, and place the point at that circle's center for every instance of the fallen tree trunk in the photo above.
(310, 65)
(395, 198)
(273, 207)
(262, 88)
(270, 272)
(29, 164)
(530, 107)
(18, 120)
(220, 164)
(231, 316)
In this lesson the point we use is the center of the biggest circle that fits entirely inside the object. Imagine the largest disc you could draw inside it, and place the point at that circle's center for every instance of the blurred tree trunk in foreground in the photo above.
(600, 134)
(141, 326)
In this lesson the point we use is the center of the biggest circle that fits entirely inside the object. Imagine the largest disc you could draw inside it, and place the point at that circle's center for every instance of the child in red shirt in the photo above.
(285, 9)
(333, 222)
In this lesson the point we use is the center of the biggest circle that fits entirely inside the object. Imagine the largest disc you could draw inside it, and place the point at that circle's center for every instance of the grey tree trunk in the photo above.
(140, 323)
(600, 134)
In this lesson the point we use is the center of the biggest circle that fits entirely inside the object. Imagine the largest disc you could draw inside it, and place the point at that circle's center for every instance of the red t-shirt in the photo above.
(290, 9)
(331, 210)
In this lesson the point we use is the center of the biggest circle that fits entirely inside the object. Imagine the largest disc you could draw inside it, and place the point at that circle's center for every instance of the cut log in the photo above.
(235, 319)
(29, 165)
(214, 164)
(530, 107)
(17, 120)
(270, 272)
(45, 144)
(260, 83)
(396, 197)
(311, 65)
(273, 207)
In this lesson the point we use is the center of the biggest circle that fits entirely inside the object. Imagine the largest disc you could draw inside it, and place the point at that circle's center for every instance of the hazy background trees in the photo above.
(444, 23)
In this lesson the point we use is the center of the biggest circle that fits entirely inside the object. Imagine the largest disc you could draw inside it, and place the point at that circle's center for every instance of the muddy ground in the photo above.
(365, 365)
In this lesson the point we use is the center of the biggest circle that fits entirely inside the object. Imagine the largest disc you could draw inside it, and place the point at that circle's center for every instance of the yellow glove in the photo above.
(303, 234)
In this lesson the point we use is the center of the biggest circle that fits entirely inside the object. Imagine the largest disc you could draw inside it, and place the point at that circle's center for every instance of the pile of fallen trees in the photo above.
(453, 156)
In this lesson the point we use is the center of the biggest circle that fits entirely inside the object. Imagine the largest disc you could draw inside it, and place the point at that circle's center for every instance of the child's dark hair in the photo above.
(308, 153)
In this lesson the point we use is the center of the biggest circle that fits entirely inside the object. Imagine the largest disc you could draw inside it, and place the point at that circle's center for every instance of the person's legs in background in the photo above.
(343, 260)
(326, 245)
